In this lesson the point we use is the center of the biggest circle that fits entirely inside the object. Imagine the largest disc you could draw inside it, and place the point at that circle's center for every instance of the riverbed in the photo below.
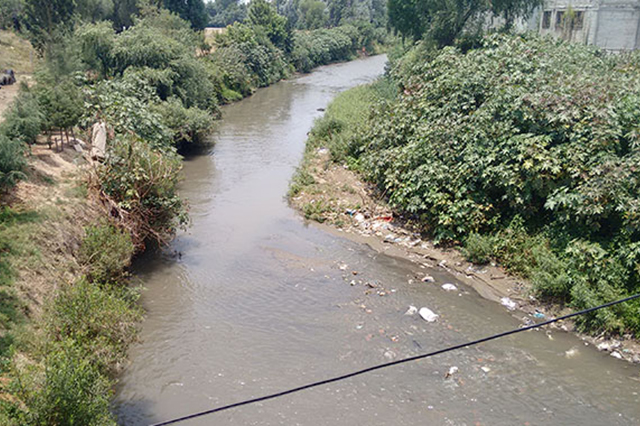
(251, 300)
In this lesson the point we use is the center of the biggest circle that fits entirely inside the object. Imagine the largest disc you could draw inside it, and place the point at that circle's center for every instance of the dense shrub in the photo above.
(25, 119)
(66, 390)
(105, 252)
(187, 125)
(99, 318)
(533, 142)
(12, 161)
(140, 183)
(323, 46)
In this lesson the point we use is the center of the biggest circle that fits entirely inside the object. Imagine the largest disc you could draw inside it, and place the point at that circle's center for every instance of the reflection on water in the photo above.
(256, 303)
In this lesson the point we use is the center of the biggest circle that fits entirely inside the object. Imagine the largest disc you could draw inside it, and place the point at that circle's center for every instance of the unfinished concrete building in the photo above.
(610, 24)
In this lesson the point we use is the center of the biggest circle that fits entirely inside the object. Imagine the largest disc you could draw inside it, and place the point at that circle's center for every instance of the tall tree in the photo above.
(189, 10)
(444, 20)
(263, 14)
(45, 19)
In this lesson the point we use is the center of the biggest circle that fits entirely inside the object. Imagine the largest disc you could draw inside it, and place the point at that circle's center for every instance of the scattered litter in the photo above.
(428, 279)
(389, 355)
(449, 287)
(343, 267)
(353, 282)
(616, 354)
(411, 311)
(384, 218)
(608, 346)
(371, 285)
(539, 315)
(350, 212)
(453, 370)
(442, 264)
(359, 217)
(428, 315)
(508, 303)
(572, 353)
(359, 327)
(354, 272)
(485, 369)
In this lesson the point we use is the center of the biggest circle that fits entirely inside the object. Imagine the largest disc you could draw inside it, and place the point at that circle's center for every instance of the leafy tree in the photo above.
(94, 10)
(11, 13)
(314, 15)
(123, 12)
(262, 14)
(189, 10)
(45, 20)
(444, 20)
(226, 12)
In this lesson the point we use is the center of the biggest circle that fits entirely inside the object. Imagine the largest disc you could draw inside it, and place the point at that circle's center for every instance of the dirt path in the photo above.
(346, 206)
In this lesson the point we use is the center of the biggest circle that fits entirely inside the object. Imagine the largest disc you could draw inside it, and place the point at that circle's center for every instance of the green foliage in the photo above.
(323, 46)
(47, 20)
(548, 187)
(60, 103)
(68, 391)
(189, 10)
(12, 161)
(263, 17)
(226, 12)
(98, 318)
(188, 125)
(10, 13)
(24, 120)
(142, 183)
(478, 248)
(444, 21)
(105, 252)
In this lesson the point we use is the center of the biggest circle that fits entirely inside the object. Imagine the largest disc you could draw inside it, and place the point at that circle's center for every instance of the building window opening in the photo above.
(546, 20)
(578, 20)
(559, 20)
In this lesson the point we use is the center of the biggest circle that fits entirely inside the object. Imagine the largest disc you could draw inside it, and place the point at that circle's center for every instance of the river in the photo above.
(251, 300)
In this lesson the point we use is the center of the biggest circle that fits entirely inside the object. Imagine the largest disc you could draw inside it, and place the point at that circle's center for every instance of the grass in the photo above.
(16, 53)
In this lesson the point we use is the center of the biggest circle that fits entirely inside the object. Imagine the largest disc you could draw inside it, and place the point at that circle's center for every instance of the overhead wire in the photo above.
(390, 364)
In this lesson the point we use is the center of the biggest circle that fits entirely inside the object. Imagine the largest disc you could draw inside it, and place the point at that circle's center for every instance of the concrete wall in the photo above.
(611, 24)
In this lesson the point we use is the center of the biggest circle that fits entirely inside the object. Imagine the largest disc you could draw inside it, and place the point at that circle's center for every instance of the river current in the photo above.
(251, 300)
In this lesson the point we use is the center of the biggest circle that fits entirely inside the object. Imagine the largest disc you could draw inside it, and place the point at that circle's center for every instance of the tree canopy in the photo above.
(444, 20)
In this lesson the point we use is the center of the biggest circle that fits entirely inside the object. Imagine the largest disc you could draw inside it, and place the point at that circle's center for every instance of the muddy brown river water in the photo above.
(251, 300)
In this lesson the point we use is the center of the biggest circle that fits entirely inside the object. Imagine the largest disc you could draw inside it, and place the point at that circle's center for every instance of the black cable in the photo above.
(390, 364)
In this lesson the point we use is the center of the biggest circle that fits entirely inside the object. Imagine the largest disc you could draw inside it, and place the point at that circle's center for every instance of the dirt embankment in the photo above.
(343, 204)
(51, 207)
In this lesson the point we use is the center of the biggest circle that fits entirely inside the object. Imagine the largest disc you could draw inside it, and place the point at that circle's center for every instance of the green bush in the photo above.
(12, 161)
(99, 318)
(141, 183)
(68, 391)
(24, 120)
(188, 125)
(479, 248)
(548, 186)
(323, 46)
(105, 252)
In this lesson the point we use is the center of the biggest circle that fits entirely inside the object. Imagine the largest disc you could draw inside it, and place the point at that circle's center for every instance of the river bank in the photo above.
(336, 199)
(252, 300)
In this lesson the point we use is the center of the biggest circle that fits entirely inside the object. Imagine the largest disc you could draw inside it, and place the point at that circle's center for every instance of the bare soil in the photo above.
(55, 194)
(343, 204)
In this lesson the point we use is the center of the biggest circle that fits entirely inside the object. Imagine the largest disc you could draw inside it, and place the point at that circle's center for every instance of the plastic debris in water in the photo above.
(449, 287)
(411, 311)
(428, 315)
